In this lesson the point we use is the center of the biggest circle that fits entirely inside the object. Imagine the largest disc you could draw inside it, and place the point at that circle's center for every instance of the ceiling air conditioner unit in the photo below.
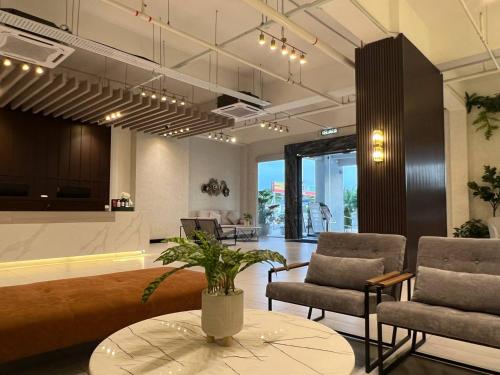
(238, 109)
(30, 48)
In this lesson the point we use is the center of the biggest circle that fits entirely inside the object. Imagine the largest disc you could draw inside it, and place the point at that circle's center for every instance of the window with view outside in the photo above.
(271, 198)
(329, 194)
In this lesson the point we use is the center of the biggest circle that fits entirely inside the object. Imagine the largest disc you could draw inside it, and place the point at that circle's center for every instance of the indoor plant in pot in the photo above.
(490, 192)
(222, 302)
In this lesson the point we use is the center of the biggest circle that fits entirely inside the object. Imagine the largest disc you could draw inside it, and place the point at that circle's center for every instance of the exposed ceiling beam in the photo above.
(149, 19)
(479, 33)
(112, 53)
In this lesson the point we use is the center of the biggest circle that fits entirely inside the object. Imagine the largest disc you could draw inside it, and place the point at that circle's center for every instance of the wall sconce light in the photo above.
(378, 146)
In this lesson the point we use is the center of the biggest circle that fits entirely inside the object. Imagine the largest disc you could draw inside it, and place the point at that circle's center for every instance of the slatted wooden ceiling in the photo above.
(59, 95)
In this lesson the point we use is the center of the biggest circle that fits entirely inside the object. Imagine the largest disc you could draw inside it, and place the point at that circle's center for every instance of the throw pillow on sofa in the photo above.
(344, 273)
(460, 290)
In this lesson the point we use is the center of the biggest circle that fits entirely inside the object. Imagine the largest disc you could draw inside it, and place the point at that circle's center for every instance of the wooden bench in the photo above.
(41, 317)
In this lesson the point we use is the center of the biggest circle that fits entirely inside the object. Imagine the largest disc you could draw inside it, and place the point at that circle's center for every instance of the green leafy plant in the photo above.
(485, 119)
(221, 263)
(264, 212)
(350, 206)
(489, 193)
(247, 216)
(474, 228)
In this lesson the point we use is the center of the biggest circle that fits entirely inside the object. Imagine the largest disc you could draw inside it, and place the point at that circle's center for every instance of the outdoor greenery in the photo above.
(474, 228)
(350, 206)
(488, 105)
(221, 263)
(264, 212)
(490, 192)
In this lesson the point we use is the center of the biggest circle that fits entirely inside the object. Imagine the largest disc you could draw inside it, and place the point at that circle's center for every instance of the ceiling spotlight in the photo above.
(187, 129)
(163, 98)
(113, 115)
(39, 70)
(209, 135)
(182, 102)
(272, 47)
(170, 133)
(164, 134)
(143, 93)
(269, 126)
(287, 130)
(174, 100)
(227, 139)
(108, 117)
(153, 96)
(284, 51)
(7, 62)
(233, 139)
(182, 130)
(293, 55)
(281, 129)
(262, 124)
(175, 132)
(275, 128)
(25, 67)
(262, 39)
(302, 59)
(118, 114)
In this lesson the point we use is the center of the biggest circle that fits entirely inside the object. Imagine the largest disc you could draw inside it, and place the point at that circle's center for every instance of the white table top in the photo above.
(240, 226)
(270, 343)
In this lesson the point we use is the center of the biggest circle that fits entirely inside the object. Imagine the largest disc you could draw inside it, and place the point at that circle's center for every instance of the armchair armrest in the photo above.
(279, 269)
(377, 279)
(290, 267)
(395, 280)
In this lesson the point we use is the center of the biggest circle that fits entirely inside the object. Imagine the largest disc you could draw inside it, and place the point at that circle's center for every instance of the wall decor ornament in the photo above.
(485, 120)
(214, 188)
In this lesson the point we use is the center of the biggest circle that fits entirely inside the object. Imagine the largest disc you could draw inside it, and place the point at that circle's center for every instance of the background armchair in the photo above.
(361, 302)
(212, 227)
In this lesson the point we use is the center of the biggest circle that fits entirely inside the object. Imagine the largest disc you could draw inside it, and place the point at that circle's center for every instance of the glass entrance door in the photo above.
(329, 194)
(271, 198)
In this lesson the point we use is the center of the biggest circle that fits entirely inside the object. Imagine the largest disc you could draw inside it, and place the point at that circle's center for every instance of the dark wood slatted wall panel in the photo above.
(400, 92)
(425, 154)
(379, 98)
(48, 154)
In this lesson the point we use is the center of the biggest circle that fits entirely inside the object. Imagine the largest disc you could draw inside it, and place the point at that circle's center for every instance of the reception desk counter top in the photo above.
(29, 235)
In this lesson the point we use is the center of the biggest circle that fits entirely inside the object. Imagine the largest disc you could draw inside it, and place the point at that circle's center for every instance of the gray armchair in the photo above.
(360, 302)
(456, 296)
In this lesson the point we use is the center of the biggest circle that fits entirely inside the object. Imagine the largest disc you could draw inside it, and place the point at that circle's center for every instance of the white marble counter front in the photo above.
(270, 343)
(42, 235)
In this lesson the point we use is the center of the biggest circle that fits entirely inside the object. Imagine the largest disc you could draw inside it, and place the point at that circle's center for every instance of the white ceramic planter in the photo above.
(221, 315)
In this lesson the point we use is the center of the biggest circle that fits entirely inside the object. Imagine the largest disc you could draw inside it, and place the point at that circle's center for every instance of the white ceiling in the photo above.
(439, 28)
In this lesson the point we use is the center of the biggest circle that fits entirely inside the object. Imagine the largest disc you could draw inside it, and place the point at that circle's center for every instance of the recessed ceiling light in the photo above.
(25, 67)
(39, 70)
(7, 62)
(233, 139)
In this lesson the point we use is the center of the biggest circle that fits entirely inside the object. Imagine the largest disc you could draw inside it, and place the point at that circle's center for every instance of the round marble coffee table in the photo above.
(270, 343)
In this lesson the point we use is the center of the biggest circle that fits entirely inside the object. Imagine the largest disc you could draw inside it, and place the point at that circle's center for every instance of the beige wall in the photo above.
(218, 160)
(481, 152)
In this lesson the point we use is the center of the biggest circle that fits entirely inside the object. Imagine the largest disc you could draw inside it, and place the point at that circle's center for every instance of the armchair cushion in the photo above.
(343, 301)
(476, 327)
(460, 290)
(345, 273)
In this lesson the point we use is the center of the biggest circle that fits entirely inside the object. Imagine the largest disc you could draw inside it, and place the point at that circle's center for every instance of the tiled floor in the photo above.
(74, 361)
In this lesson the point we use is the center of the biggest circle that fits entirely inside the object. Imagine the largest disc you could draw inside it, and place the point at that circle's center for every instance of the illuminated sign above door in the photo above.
(329, 131)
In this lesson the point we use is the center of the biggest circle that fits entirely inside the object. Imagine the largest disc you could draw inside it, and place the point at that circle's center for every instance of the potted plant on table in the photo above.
(222, 302)
(247, 219)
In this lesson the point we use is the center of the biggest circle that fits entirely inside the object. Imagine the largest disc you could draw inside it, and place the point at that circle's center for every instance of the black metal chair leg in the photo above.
(380, 352)
(309, 313)
(394, 334)
(269, 304)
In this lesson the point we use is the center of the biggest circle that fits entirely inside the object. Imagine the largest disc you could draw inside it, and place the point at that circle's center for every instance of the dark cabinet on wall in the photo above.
(52, 164)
